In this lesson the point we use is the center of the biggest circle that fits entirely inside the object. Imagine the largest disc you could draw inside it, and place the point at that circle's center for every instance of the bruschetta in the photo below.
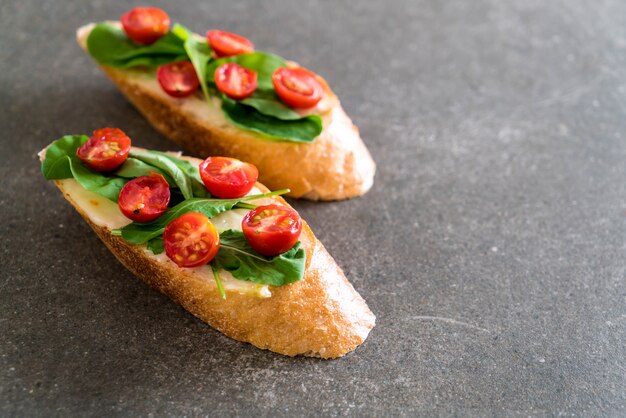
(217, 95)
(209, 236)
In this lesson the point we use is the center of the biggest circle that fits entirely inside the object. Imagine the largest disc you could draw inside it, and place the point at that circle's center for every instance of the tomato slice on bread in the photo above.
(272, 229)
(144, 198)
(235, 81)
(178, 79)
(228, 178)
(145, 25)
(106, 150)
(226, 44)
(298, 87)
(191, 240)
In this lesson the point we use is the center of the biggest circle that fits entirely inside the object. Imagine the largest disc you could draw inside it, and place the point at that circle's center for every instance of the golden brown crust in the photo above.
(335, 166)
(320, 316)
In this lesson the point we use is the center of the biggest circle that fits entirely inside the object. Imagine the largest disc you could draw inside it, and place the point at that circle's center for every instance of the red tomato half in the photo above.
(272, 229)
(191, 240)
(178, 79)
(106, 150)
(228, 178)
(297, 87)
(235, 81)
(145, 198)
(226, 44)
(145, 25)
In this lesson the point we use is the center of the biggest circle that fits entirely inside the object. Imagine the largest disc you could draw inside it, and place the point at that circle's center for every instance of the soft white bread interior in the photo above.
(320, 316)
(336, 165)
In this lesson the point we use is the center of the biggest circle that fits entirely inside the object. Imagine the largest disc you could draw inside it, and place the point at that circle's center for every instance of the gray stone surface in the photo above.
(492, 247)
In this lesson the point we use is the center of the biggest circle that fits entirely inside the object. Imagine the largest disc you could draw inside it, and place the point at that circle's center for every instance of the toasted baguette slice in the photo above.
(335, 166)
(319, 316)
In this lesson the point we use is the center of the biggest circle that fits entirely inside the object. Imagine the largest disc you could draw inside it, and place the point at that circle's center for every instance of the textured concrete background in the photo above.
(492, 247)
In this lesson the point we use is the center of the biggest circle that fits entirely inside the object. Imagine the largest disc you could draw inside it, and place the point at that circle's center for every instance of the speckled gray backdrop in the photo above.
(492, 247)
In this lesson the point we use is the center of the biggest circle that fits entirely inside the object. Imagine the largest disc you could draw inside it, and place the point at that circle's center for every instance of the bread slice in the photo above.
(319, 316)
(336, 165)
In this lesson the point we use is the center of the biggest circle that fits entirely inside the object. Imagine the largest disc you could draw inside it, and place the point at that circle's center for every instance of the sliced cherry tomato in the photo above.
(191, 240)
(145, 198)
(145, 25)
(297, 87)
(272, 229)
(106, 150)
(226, 44)
(235, 81)
(228, 178)
(178, 79)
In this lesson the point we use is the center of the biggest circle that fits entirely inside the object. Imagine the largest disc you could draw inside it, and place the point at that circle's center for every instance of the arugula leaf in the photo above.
(200, 54)
(305, 129)
(133, 168)
(185, 165)
(237, 256)
(140, 233)
(167, 165)
(197, 185)
(271, 107)
(106, 186)
(61, 162)
(191, 171)
(263, 63)
(156, 245)
(218, 282)
(109, 45)
(56, 165)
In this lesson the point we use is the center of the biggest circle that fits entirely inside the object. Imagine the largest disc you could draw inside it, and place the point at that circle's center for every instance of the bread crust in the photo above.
(319, 316)
(335, 166)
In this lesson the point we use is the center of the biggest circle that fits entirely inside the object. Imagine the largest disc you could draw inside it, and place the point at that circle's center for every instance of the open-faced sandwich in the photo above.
(205, 233)
(217, 95)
